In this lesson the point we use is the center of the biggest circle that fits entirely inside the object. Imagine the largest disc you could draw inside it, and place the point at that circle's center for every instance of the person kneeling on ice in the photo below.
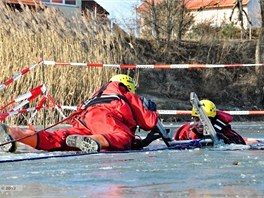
(220, 121)
(108, 121)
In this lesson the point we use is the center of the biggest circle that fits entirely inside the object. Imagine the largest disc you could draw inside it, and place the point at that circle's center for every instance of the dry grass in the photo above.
(26, 38)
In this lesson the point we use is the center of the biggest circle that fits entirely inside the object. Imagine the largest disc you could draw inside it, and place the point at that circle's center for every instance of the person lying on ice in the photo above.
(108, 121)
(220, 121)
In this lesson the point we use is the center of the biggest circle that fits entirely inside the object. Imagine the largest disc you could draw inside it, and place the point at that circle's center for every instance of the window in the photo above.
(57, 1)
(70, 2)
(63, 2)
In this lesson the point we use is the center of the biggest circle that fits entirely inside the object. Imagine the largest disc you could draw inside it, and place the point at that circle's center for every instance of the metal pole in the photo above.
(43, 80)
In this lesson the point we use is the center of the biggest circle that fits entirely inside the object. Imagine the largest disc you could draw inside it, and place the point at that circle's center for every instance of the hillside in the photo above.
(235, 88)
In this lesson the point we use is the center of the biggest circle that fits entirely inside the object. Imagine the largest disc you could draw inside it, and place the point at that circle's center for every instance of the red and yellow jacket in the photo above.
(221, 124)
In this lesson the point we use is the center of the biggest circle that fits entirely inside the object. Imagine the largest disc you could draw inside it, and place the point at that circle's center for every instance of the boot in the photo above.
(84, 143)
(6, 137)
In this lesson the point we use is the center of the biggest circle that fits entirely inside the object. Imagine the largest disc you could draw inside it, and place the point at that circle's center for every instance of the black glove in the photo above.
(153, 135)
(137, 144)
(151, 105)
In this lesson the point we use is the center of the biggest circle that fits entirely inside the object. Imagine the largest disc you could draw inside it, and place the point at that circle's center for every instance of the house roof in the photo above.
(26, 2)
(206, 4)
(196, 4)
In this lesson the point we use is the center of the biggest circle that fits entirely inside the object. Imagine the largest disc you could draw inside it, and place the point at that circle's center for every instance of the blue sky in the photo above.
(121, 11)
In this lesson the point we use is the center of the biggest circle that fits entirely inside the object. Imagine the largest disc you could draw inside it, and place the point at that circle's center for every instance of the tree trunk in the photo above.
(260, 42)
(259, 58)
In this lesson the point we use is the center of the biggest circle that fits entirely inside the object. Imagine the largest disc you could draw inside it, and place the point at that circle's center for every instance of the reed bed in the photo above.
(28, 37)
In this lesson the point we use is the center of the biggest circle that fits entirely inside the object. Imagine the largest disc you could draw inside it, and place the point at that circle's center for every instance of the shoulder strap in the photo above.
(100, 92)
(100, 98)
(219, 124)
(95, 99)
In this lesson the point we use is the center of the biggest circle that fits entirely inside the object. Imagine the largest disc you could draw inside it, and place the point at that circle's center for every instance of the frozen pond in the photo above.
(164, 173)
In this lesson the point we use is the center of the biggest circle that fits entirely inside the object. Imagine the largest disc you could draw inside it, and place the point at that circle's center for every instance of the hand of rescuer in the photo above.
(152, 105)
(152, 135)
(139, 144)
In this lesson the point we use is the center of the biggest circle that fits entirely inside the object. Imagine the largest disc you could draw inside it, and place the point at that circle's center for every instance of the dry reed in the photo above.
(27, 37)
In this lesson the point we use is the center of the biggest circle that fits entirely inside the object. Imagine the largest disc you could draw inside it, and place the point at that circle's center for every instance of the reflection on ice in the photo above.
(224, 171)
(225, 147)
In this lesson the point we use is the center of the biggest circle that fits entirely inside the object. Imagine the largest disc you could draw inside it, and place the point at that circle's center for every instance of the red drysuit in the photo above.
(115, 116)
(221, 124)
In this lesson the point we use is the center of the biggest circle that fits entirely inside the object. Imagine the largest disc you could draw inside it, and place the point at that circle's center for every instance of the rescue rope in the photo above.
(61, 154)
(36, 132)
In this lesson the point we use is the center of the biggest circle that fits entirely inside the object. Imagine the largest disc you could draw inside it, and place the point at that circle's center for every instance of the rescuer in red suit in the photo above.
(220, 121)
(106, 121)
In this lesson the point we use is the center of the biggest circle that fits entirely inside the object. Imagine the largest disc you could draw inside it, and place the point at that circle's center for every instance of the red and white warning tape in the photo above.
(27, 97)
(161, 112)
(152, 66)
(42, 89)
(56, 105)
(174, 112)
(42, 103)
(185, 112)
(18, 75)
(3, 116)
(73, 108)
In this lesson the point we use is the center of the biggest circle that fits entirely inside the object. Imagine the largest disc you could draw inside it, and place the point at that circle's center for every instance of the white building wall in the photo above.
(68, 10)
(254, 13)
(217, 16)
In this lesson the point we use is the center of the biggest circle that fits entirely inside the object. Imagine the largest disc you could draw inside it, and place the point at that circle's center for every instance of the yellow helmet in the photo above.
(209, 108)
(126, 80)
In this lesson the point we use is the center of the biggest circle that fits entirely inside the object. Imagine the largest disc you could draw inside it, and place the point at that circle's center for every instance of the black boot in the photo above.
(6, 137)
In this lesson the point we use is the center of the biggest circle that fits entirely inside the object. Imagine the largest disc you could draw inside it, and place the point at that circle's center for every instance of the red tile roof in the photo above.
(26, 2)
(196, 4)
